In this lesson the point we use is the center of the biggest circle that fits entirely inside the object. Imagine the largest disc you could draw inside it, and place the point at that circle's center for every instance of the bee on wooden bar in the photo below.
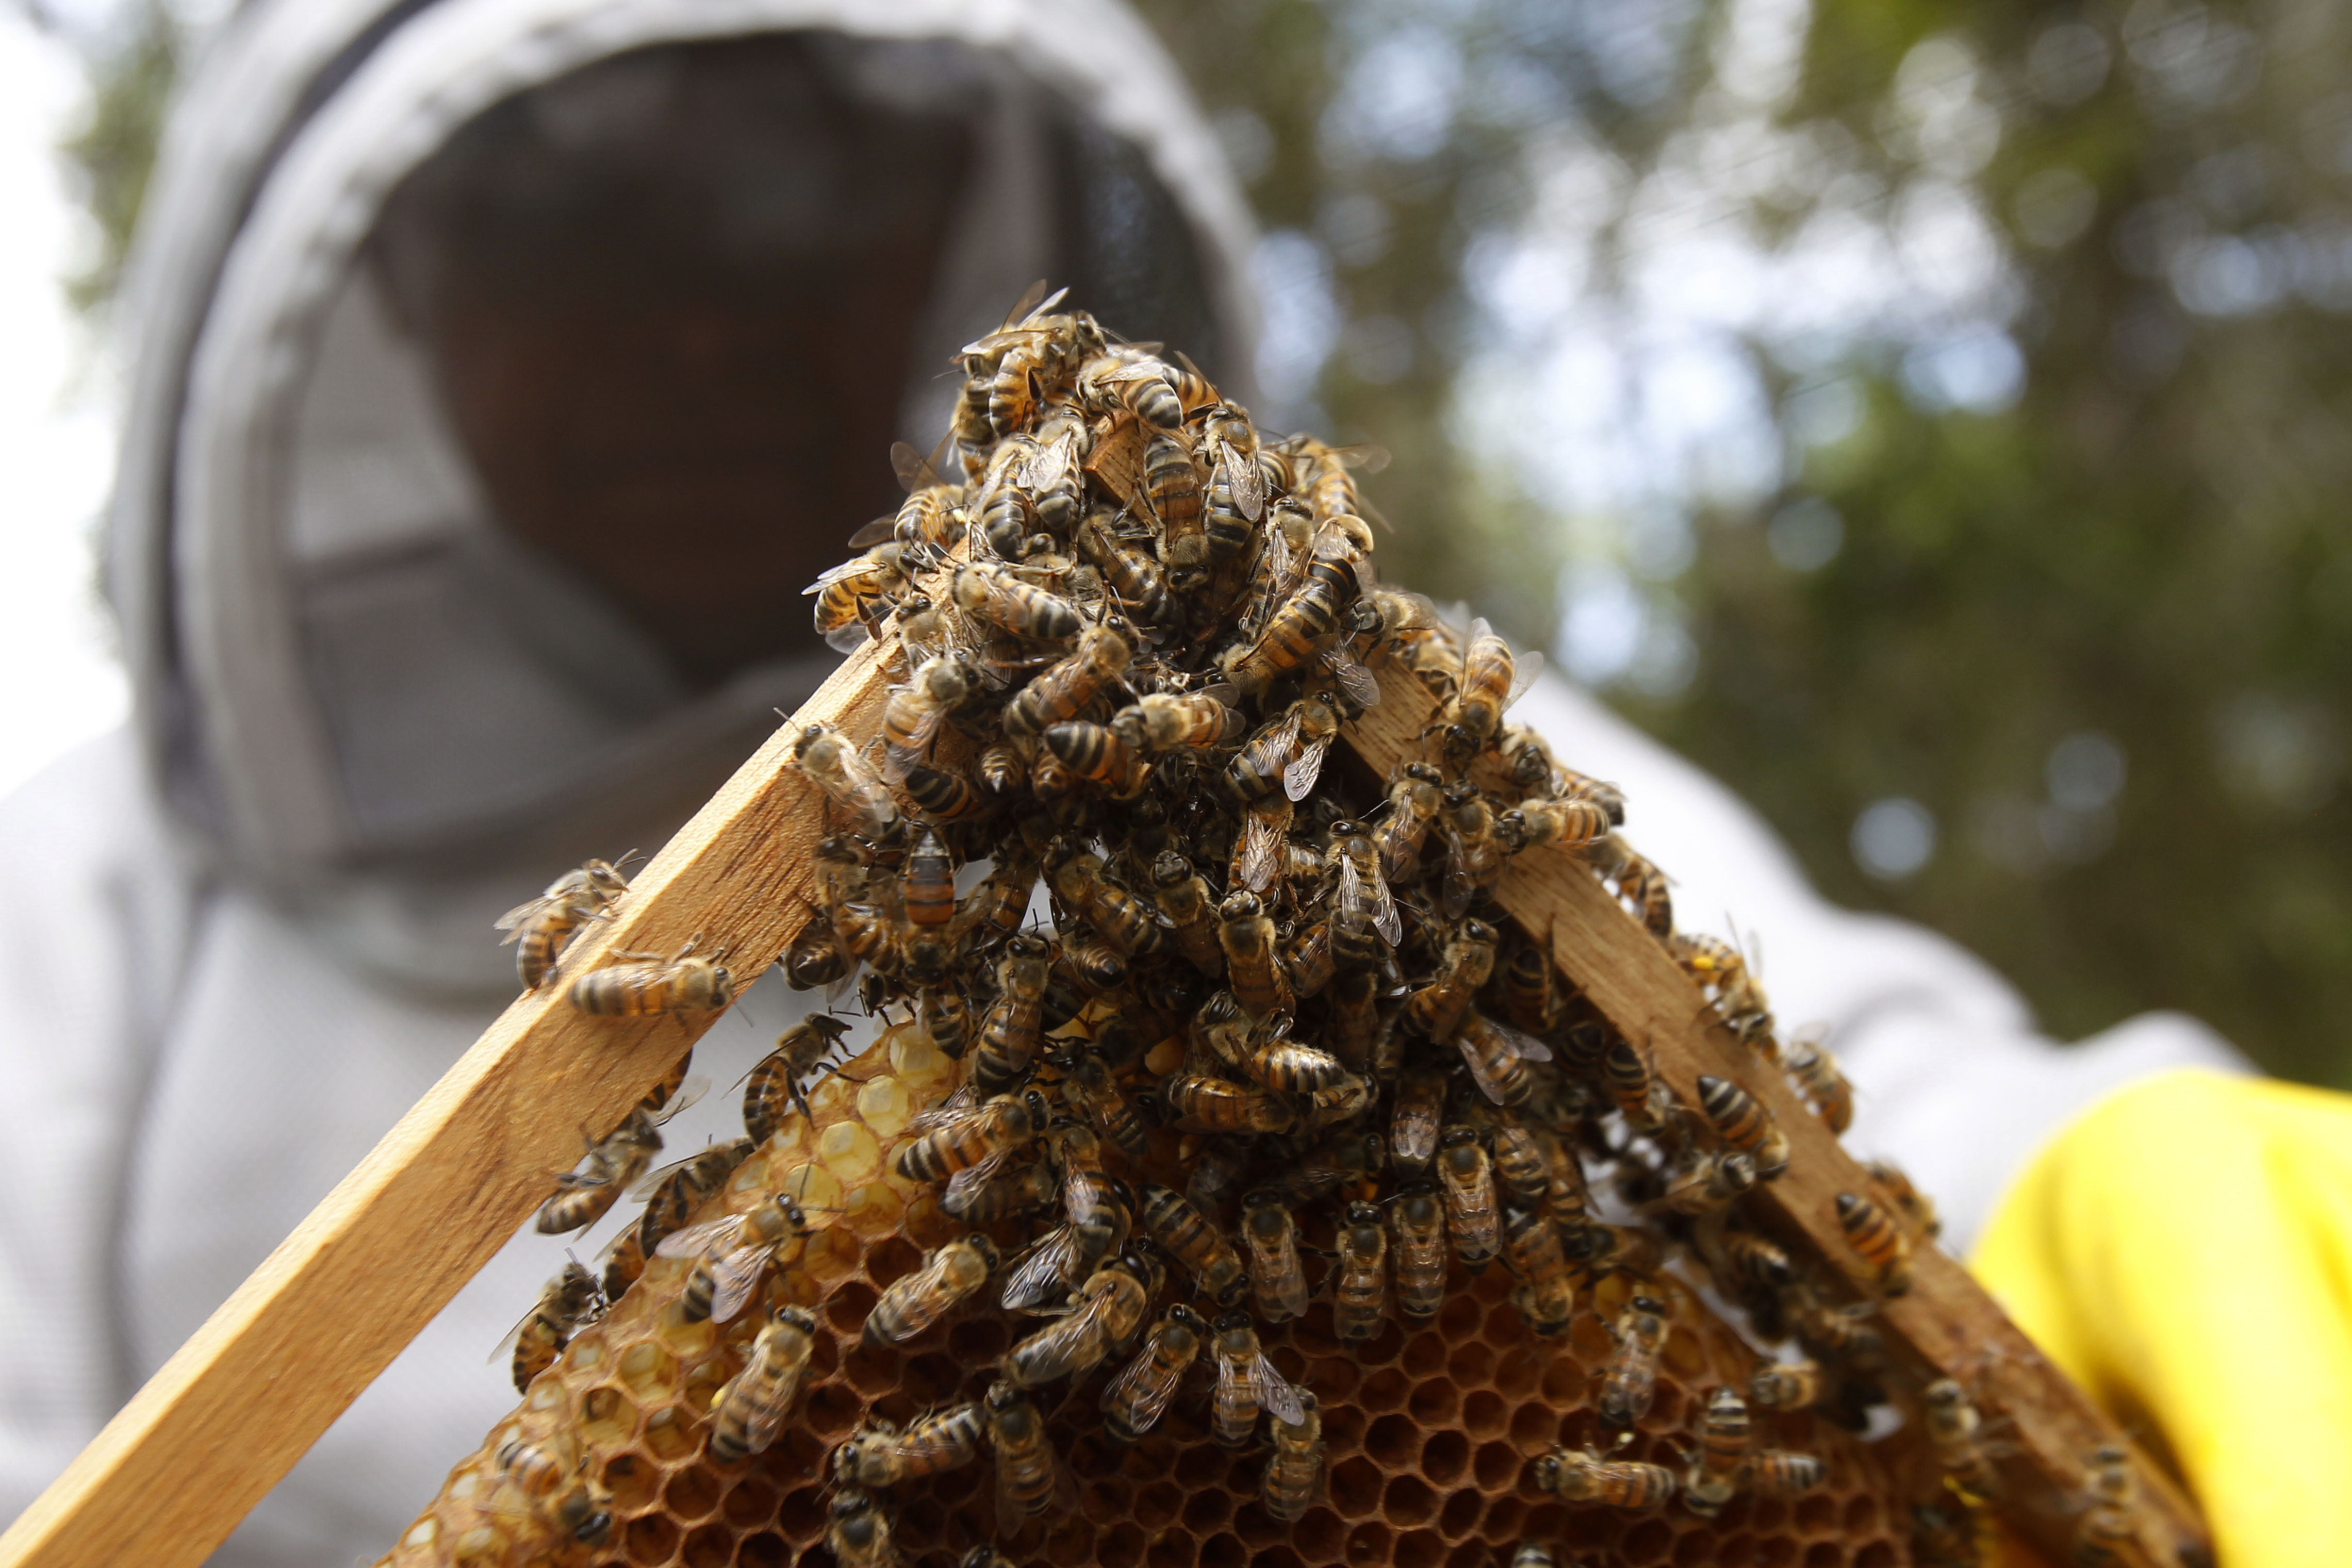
(1436, 1009)
(2105, 1527)
(1956, 1430)
(645, 985)
(1877, 1240)
(585, 1195)
(853, 598)
(998, 595)
(827, 759)
(1742, 1120)
(543, 927)
(1192, 721)
(1288, 753)
(1416, 797)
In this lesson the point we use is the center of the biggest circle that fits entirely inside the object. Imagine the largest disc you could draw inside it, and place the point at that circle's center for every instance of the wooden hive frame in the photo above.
(250, 1391)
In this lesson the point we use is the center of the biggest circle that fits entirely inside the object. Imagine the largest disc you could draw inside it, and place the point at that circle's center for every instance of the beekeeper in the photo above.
(504, 368)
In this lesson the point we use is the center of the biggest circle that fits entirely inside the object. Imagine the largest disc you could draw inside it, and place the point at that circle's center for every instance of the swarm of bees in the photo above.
(1216, 1097)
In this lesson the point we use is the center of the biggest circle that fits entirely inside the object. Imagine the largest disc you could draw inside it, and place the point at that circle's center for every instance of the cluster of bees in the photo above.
(1132, 632)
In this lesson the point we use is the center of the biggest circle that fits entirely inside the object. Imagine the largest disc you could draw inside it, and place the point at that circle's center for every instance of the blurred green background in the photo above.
(1928, 417)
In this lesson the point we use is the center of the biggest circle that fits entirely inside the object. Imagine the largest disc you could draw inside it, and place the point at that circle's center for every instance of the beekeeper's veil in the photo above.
(360, 685)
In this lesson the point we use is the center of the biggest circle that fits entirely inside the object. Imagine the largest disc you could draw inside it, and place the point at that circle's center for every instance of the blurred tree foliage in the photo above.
(2054, 564)
(133, 65)
(1930, 417)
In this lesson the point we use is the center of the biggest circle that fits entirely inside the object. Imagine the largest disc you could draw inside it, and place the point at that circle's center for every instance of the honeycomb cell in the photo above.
(1156, 1507)
(1471, 1364)
(1504, 1517)
(1684, 1357)
(1432, 1403)
(802, 1514)
(1446, 1458)
(885, 1107)
(585, 1354)
(1505, 1325)
(1816, 1514)
(646, 1370)
(1648, 1541)
(1532, 1425)
(752, 1504)
(692, 1494)
(1733, 1551)
(830, 1411)
(763, 1552)
(1469, 1554)
(1355, 1487)
(671, 1434)
(1199, 1466)
(606, 1416)
(814, 1187)
(1104, 1501)
(1334, 1378)
(1484, 1412)
(1383, 1390)
(1223, 1551)
(831, 1254)
(1408, 1501)
(1121, 1547)
(1460, 1515)
(1392, 1442)
(1419, 1549)
(1776, 1552)
(1824, 1555)
(650, 1540)
(1496, 1465)
(849, 1152)
(1424, 1356)
(1171, 1552)
(873, 1210)
(1258, 1528)
(1860, 1517)
(1459, 1319)
(1206, 1513)
(1319, 1536)
(709, 1547)
(1876, 1555)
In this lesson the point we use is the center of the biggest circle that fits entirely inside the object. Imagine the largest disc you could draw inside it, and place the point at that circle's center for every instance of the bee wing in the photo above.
(881, 530)
(696, 1239)
(1356, 683)
(1261, 856)
(1526, 667)
(915, 471)
(850, 638)
(690, 1088)
(1521, 1044)
(1143, 1389)
(1365, 456)
(1039, 1279)
(652, 1181)
(962, 1104)
(1275, 1392)
(762, 1426)
(975, 1175)
(521, 914)
(1385, 919)
(1043, 468)
(506, 1341)
(1299, 778)
(1240, 477)
(734, 1277)
(857, 566)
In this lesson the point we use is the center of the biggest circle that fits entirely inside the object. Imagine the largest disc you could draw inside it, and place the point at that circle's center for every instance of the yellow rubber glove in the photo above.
(2184, 1250)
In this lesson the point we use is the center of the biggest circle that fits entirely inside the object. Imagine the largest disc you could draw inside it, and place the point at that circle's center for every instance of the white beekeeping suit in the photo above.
(374, 710)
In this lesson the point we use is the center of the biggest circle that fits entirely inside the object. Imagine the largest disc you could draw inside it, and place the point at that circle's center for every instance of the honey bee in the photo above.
(1009, 1030)
(1252, 968)
(1915, 1205)
(775, 1083)
(1715, 1472)
(1416, 794)
(1095, 753)
(998, 595)
(1308, 960)
(1520, 1163)
(1581, 1475)
(1414, 1128)
(827, 759)
(1415, 636)
(1122, 919)
(1364, 920)
(1003, 1195)
(1419, 1219)
(1183, 895)
(1089, 1085)
(1705, 1184)
(1437, 1008)
(1757, 1262)
(1474, 851)
(2106, 1526)
(1497, 1055)
(1842, 1334)
(1112, 383)
(1276, 1277)
(642, 984)
(1132, 575)
(1194, 1241)
(1135, 1400)
(1025, 1472)
(955, 1141)
(676, 1192)
(1262, 853)
(581, 1510)
(1297, 1462)
(1360, 1297)
(1288, 753)
(1490, 681)
(1247, 1383)
(1109, 1310)
(1740, 1120)
(1630, 1377)
(1948, 1533)
(1161, 721)
(1733, 996)
(942, 1013)
(1638, 882)
(1535, 822)
(1877, 1240)
(1533, 1252)
(912, 715)
(1171, 488)
(815, 958)
(1819, 1080)
(1299, 631)
(877, 1455)
(1465, 1180)
(1286, 1066)
(857, 1531)
(1626, 1074)
(1533, 1554)
(1787, 1385)
(750, 1409)
(1232, 443)
(1099, 1207)
(1202, 1104)
(571, 1301)
(997, 905)
(917, 1301)
(1776, 1473)
(731, 1255)
(853, 598)
(1956, 1430)
(585, 1195)
(1061, 692)
(544, 926)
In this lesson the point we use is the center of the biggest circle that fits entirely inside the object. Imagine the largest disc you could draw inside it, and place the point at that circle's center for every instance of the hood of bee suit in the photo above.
(357, 691)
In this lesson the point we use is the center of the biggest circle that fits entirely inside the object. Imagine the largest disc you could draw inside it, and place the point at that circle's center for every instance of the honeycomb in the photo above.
(1431, 1432)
